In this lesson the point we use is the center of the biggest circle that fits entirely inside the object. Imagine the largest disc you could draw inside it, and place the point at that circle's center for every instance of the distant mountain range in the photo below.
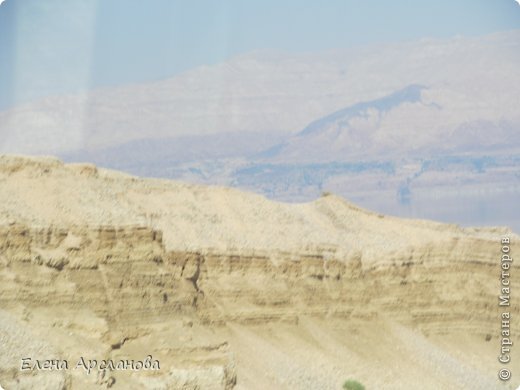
(422, 129)
(466, 80)
(375, 128)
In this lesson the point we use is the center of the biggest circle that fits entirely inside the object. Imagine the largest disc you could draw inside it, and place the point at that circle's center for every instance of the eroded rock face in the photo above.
(240, 316)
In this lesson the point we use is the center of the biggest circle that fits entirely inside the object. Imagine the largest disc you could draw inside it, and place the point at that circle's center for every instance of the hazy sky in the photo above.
(52, 46)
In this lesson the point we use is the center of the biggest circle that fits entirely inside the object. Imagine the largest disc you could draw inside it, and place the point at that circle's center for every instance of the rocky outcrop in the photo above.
(123, 291)
(127, 275)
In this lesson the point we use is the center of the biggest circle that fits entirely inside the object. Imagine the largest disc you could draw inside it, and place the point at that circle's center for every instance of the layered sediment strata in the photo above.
(90, 277)
(126, 273)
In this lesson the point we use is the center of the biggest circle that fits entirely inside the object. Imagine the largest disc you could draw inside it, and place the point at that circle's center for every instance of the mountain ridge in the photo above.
(252, 93)
(222, 286)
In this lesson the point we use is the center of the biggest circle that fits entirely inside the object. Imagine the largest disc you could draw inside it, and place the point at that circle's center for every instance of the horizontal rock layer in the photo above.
(87, 277)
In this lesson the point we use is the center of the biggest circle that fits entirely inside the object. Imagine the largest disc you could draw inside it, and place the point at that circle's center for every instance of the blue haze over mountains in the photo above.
(427, 129)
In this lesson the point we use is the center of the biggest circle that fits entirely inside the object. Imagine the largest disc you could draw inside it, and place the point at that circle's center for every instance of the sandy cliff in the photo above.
(228, 289)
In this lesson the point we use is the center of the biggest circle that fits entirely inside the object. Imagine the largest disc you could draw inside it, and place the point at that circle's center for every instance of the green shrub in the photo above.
(353, 385)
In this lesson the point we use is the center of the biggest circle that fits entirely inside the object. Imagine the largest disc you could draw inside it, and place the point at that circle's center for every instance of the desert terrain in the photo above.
(229, 290)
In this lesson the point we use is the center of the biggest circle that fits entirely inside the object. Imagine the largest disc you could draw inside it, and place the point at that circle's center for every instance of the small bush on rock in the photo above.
(353, 385)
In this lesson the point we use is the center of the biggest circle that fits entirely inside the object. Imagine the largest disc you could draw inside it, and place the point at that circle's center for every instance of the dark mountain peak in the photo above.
(409, 94)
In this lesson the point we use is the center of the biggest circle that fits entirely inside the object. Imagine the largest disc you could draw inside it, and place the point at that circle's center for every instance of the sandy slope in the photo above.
(43, 191)
(228, 289)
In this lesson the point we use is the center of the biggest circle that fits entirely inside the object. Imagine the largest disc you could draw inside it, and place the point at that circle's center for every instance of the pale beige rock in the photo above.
(228, 289)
